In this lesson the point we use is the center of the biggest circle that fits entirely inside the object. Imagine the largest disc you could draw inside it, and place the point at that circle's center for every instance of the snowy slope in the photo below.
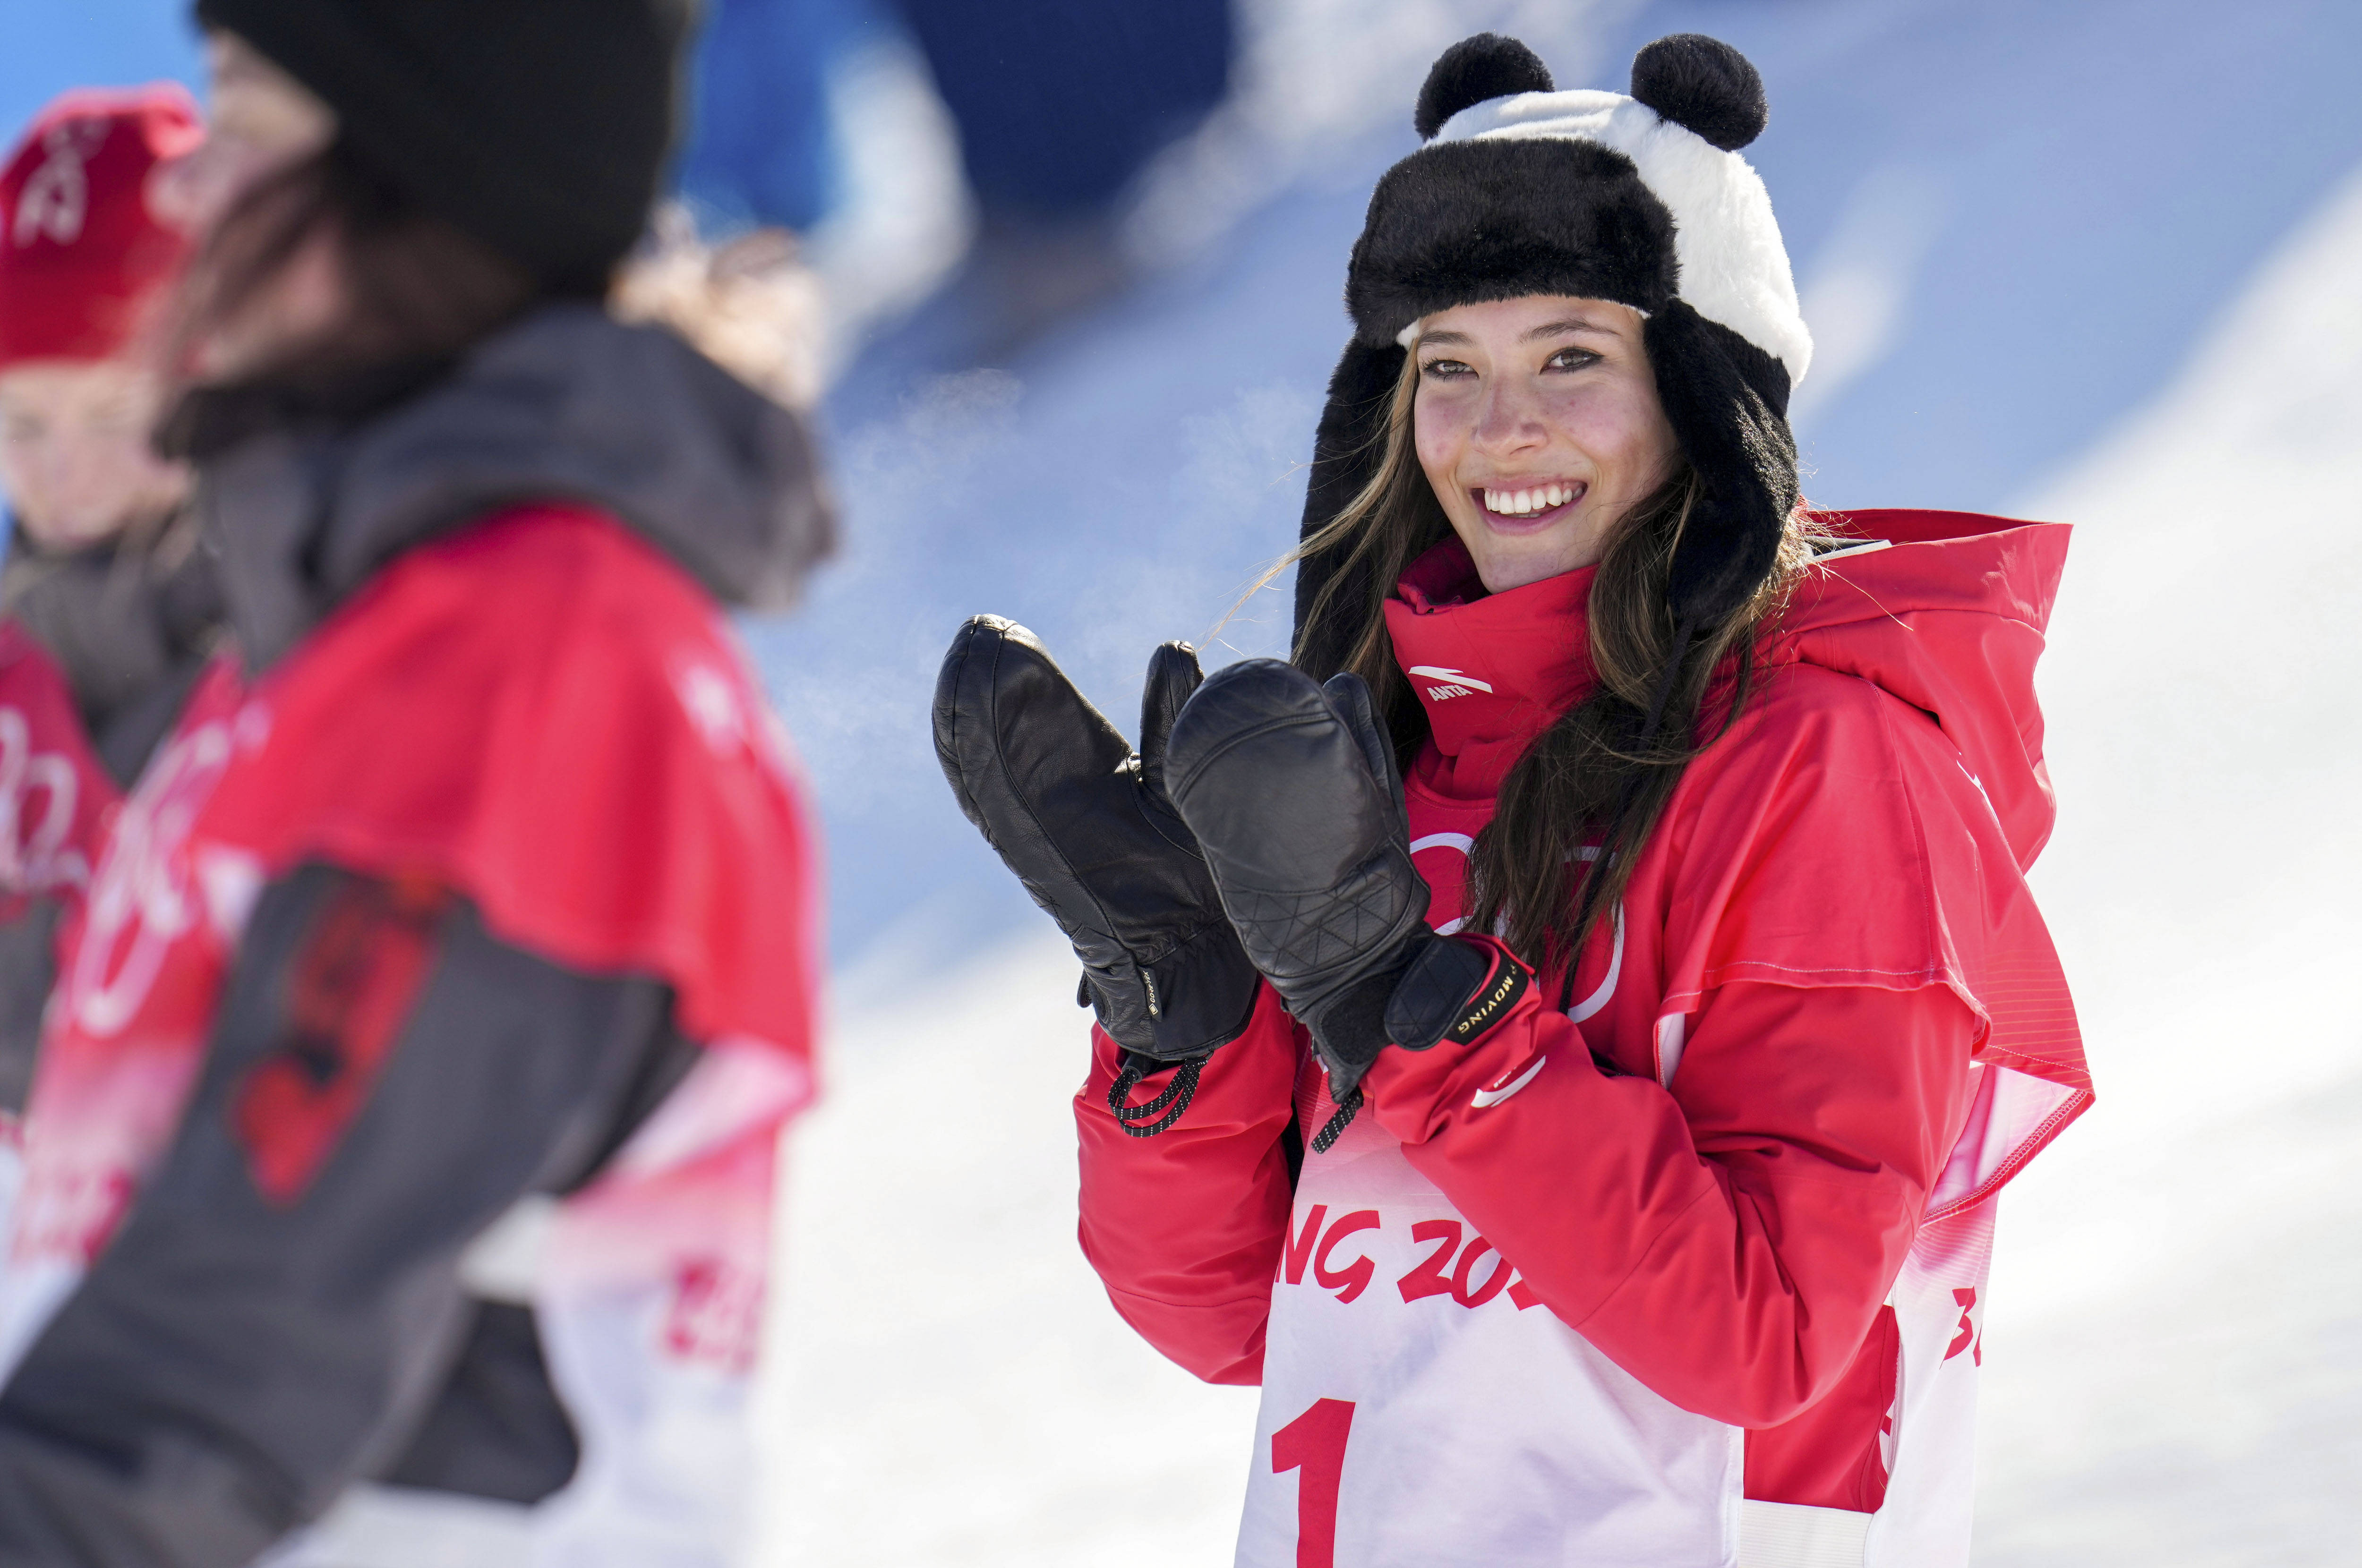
(2176, 1337)
(955, 1388)
(2174, 1353)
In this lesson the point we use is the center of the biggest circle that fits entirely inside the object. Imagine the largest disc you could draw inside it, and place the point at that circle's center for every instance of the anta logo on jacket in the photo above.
(1455, 682)
(1682, 1262)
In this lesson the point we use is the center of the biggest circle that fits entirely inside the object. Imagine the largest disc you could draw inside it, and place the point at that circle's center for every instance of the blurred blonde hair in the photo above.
(750, 304)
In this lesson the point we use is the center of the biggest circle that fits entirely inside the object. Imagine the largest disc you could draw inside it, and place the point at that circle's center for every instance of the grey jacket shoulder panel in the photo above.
(567, 405)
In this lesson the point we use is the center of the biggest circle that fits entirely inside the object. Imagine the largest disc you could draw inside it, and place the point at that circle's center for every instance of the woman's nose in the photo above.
(1508, 421)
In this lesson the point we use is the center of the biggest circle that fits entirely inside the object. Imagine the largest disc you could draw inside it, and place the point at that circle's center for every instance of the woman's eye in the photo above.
(1445, 370)
(1571, 359)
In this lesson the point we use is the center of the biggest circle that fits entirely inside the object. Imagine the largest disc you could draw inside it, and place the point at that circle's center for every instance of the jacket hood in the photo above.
(1944, 610)
(1947, 612)
(567, 405)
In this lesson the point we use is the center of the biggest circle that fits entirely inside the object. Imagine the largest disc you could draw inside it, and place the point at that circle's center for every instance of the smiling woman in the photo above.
(1651, 991)
(1539, 429)
(1531, 429)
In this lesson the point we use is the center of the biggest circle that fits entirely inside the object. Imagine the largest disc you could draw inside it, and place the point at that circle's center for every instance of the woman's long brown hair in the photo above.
(1576, 808)
(418, 288)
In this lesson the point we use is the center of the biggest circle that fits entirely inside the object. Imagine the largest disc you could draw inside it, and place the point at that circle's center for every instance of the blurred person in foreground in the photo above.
(106, 603)
(474, 870)
(1570, 1057)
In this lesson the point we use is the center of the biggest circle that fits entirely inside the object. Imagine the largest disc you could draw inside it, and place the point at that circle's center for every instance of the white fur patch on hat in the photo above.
(1733, 265)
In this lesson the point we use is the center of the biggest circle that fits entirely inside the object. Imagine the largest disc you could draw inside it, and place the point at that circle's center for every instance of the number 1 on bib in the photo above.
(1314, 1445)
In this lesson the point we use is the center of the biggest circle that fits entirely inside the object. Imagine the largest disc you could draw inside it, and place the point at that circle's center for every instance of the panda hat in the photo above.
(1645, 200)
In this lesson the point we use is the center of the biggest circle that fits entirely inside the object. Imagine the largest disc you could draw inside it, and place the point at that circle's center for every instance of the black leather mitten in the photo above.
(1085, 823)
(1292, 790)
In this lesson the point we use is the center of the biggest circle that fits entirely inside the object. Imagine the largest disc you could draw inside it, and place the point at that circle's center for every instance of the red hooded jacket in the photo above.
(1824, 1027)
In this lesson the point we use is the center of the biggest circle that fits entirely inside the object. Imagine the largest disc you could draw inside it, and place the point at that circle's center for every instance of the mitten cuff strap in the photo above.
(1455, 990)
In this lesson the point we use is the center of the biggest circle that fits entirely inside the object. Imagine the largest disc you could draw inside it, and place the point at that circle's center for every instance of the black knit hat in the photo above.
(539, 126)
(1643, 200)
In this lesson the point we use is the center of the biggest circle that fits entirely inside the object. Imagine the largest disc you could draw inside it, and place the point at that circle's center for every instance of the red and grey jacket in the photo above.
(1683, 1256)
(56, 800)
(480, 870)
(99, 648)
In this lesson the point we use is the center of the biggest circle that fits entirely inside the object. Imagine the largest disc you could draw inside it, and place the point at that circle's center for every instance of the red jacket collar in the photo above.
(1492, 670)
(1948, 615)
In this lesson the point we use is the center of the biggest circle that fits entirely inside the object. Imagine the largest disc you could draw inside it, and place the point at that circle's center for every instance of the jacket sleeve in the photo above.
(1728, 1242)
(1185, 1227)
(282, 1301)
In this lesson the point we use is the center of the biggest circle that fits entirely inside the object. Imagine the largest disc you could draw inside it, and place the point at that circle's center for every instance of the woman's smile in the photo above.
(1527, 506)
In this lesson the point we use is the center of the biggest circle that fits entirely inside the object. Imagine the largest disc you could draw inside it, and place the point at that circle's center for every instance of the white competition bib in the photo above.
(1422, 1409)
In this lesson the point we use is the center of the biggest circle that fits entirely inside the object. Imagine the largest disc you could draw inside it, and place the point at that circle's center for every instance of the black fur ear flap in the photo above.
(1471, 70)
(1345, 455)
(1745, 457)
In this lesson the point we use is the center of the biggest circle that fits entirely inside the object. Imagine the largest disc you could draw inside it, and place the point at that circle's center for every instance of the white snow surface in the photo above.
(2174, 1353)
(953, 1387)
(2175, 1344)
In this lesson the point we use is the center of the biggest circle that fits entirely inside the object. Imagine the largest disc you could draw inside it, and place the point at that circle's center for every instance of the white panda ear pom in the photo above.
(1472, 71)
(1703, 85)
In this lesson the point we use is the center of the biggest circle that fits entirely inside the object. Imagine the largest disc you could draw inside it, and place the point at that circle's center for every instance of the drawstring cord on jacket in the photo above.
(1334, 1128)
(1142, 1120)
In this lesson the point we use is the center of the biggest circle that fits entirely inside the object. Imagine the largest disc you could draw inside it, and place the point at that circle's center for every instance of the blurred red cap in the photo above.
(81, 255)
